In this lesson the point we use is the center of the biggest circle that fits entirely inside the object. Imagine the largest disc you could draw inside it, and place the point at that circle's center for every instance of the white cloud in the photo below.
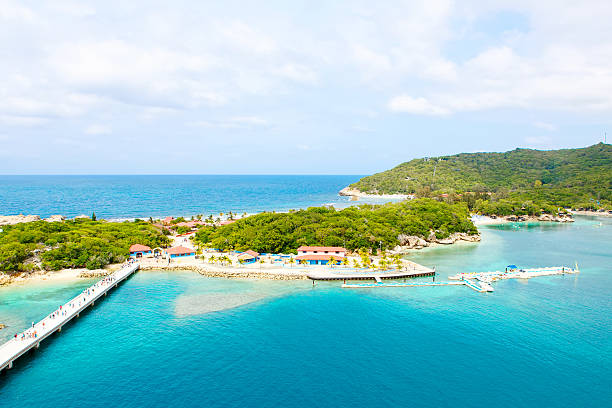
(417, 106)
(98, 129)
(546, 126)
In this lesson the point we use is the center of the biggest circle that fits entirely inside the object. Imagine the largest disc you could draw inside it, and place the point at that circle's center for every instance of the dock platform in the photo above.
(33, 336)
(330, 274)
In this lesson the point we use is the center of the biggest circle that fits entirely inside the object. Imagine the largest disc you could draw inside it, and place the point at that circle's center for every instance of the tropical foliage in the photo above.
(77, 243)
(569, 177)
(365, 226)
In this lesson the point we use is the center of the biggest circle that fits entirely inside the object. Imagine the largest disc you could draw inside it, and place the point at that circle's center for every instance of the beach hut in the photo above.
(248, 256)
(138, 251)
(180, 252)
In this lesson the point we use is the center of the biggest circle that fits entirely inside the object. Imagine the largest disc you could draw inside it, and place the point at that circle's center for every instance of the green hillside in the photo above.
(568, 177)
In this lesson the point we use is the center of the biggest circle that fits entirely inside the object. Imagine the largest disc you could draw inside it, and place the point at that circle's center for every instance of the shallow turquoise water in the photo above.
(545, 342)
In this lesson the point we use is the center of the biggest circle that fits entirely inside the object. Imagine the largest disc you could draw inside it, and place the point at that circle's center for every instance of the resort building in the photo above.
(180, 252)
(315, 255)
(138, 251)
(248, 256)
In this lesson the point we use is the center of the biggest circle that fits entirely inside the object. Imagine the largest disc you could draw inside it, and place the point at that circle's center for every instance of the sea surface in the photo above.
(118, 197)
(179, 339)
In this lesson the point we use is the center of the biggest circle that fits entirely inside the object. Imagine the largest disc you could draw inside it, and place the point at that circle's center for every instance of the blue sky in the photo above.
(312, 87)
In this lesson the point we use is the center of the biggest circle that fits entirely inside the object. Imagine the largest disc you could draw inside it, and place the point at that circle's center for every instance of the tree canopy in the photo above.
(569, 177)
(76, 243)
(365, 226)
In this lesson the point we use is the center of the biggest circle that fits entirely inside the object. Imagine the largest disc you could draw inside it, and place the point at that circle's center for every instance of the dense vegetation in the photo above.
(78, 243)
(519, 178)
(366, 226)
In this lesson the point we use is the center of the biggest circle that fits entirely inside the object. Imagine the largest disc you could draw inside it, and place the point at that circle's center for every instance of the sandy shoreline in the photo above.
(351, 192)
(592, 213)
(67, 275)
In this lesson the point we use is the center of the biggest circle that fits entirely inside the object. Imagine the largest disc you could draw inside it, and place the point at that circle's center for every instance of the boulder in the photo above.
(17, 219)
(431, 237)
(55, 218)
(2, 326)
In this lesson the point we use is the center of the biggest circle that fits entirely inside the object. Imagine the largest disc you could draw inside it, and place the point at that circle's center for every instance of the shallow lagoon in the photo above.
(168, 338)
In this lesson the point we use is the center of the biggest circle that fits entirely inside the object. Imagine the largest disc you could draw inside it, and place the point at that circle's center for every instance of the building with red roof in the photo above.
(320, 255)
(180, 252)
(138, 251)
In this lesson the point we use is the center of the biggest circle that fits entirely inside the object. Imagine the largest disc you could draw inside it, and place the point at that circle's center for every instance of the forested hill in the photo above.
(561, 177)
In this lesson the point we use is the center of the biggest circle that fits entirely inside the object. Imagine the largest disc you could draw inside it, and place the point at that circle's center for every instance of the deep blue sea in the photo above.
(113, 197)
(179, 339)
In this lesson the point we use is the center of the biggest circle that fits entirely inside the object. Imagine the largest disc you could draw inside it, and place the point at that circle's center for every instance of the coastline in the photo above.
(591, 213)
(356, 194)
(68, 275)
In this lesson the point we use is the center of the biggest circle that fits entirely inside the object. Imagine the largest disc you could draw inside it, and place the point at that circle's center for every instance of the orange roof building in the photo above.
(180, 251)
(138, 250)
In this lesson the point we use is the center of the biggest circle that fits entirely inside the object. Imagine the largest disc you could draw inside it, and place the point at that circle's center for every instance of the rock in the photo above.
(445, 241)
(462, 236)
(431, 237)
(2, 326)
(17, 219)
(55, 218)
(81, 216)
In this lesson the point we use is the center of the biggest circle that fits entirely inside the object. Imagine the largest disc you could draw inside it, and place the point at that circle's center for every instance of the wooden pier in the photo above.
(33, 336)
(330, 274)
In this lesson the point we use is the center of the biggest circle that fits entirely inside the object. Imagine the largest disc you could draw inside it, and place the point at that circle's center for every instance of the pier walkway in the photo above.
(470, 284)
(340, 274)
(31, 338)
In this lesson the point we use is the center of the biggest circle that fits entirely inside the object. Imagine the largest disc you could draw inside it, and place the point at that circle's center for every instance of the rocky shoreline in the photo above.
(232, 273)
(409, 242)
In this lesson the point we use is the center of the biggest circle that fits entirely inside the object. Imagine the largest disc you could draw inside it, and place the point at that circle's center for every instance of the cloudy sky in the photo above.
(312, 87)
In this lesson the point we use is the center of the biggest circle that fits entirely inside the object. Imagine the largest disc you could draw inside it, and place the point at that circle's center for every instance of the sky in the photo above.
(295, 87)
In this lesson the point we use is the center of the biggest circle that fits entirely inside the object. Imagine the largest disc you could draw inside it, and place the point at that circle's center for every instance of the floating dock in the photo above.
(31, 338)
(478, 281)
(470, 284)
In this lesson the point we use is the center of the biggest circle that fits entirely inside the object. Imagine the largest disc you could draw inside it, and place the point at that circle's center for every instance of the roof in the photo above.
(168, 219)
(139, 248)
(321, 248)
(226, 222)
(246, 256)
(318, 257)
(252, 253)
(180, 250)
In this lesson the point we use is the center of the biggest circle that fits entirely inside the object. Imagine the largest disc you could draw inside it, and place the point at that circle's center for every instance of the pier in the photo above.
(330, 274)
(478, 281)
(470, 284)
(33, 336)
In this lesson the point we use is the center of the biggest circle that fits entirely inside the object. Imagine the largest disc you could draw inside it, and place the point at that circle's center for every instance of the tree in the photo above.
(291, 261)
(331, 262)
(93, 216)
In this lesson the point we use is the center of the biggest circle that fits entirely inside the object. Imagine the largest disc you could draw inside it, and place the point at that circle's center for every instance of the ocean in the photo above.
(180, 339)
(125, 197)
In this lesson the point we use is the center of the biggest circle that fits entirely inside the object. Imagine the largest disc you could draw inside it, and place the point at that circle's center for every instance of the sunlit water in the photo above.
(180, 339)
(113, 197)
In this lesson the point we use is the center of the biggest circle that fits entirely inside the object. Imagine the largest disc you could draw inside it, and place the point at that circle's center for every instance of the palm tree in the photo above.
(212, 259)
(397, 260)
(331, 262)
(303, 261)
(345, 261)
(356, 263)
(261, 262)
(291, 261)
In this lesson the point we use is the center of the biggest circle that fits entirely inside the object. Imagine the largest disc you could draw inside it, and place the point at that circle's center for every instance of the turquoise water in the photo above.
(179, 339)
(159, 196)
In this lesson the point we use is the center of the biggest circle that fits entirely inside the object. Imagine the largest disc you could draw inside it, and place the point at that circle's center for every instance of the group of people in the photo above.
(32, 333)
